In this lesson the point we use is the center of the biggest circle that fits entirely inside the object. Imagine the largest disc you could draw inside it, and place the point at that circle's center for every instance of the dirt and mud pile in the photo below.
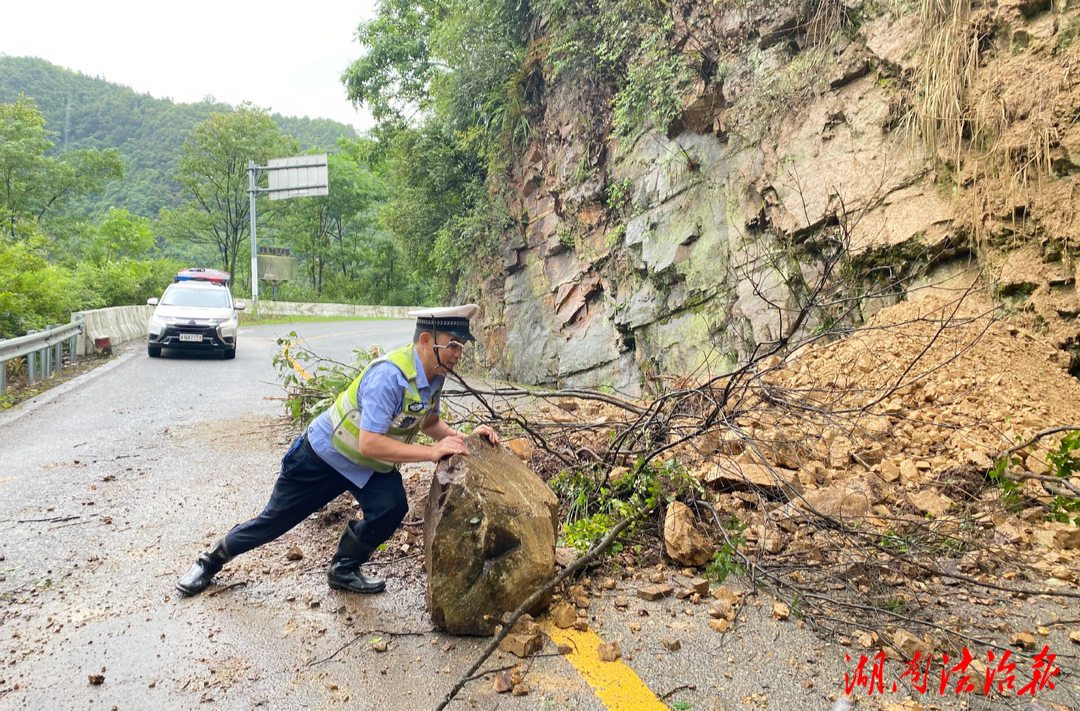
(900, 426)
(890, 440)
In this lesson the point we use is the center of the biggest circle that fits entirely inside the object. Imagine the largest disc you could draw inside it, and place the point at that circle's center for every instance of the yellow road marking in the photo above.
(615, 684)
(299, 368)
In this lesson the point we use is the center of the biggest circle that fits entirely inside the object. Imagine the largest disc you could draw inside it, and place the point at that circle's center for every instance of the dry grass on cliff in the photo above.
(1001, 120)
(1024, 114)
(947, 71)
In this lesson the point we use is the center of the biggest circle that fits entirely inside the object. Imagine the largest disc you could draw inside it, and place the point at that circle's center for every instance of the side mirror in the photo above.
(239, 306)
(152, 301)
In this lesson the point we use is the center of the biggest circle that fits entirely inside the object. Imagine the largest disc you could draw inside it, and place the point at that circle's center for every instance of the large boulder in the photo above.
(489, 538)
(683, 542)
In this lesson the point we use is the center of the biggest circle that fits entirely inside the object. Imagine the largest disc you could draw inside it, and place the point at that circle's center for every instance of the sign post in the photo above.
(296, 176)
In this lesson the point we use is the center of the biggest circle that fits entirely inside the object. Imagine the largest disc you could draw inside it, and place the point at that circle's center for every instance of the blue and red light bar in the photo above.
(212, 275)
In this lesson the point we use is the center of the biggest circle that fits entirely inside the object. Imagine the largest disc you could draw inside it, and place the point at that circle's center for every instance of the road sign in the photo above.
(297, 176)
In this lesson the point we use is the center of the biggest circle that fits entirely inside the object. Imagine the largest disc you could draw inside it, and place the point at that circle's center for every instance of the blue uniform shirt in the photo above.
(381, 397)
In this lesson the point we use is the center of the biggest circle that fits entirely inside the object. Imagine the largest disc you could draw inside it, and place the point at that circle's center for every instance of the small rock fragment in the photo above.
(1062, 572)
(1058, 535)
(1074, 636)
(564, 615)
(380, 646)
(294, 553)
(581, 625)
(700, 586)
(723, 592)
(682, 541)
(654, 592)
(565, 649)
(521, 689)
(722, 610)
(621, 601)
(780, 611)
(522, 645)
(672, 644)
(719, 625)
(909, 644)
(609, 651)
(564, 557)
(502, 682)
(520, 447)
(930, 502)
(96, 679)
(1025, 640)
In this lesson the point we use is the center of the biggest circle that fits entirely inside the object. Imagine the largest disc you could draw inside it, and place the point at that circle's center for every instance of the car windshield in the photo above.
(209, 298)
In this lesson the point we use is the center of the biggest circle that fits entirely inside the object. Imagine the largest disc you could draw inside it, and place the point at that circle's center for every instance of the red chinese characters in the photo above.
(963, 677)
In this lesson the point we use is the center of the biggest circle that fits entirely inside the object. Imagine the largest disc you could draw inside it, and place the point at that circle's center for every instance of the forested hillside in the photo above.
(89, 112)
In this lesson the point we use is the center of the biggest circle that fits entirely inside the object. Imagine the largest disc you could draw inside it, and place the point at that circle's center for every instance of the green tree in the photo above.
(393, 76)
(34, 187)
(450, 86)
(324, 230)
(435, 180)
(33, 293)
(213, 173)
(121, 234)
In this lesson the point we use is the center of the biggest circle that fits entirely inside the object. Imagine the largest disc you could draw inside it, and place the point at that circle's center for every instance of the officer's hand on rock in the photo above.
(485, 431)
(447, 446)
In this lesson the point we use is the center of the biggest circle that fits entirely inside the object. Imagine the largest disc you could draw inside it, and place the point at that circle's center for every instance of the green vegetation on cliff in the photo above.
(458, 89)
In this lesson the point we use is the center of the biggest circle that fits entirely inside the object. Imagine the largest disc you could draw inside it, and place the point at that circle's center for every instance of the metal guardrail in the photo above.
(43, 351)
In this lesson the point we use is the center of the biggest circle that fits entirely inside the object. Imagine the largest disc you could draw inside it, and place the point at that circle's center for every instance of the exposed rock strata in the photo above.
(686, 274)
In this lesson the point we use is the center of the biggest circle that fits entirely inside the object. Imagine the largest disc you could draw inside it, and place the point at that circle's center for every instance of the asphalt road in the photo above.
(111, 488)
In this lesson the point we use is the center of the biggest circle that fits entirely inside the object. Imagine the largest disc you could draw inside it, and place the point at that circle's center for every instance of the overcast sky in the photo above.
(285, 56)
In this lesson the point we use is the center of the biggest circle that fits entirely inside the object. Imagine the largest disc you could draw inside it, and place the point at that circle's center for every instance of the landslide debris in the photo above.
(864, 481)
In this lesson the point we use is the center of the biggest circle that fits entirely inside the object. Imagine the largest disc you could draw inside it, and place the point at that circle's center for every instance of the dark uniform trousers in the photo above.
(307, 483)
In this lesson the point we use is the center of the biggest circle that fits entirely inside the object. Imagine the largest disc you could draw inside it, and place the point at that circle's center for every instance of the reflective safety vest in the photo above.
(345, 414)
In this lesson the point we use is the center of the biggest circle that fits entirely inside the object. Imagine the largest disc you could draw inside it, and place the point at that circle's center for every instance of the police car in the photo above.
(196, 312)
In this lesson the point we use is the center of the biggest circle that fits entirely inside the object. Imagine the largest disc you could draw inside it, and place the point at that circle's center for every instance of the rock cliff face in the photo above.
(679, 249)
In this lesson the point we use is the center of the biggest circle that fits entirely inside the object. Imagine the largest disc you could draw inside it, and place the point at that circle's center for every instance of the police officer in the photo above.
(356, 445)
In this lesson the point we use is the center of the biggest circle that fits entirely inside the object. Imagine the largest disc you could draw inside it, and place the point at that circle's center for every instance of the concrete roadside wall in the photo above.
(119, 323)
(295, 308)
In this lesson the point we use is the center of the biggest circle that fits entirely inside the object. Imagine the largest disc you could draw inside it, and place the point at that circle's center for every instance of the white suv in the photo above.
(196, 315)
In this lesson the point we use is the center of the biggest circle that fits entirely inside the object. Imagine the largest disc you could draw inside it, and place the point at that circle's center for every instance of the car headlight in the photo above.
(156, 325)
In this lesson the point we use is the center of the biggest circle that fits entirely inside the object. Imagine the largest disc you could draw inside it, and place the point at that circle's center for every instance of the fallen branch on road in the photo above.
(227, 587)
(54, 519)
(361, 635)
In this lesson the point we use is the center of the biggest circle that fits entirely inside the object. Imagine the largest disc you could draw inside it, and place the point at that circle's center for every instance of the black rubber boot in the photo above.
(344, 572)
(206, 567)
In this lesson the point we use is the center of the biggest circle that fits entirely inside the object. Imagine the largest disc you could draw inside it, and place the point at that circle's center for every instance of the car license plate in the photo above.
(193, 337)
